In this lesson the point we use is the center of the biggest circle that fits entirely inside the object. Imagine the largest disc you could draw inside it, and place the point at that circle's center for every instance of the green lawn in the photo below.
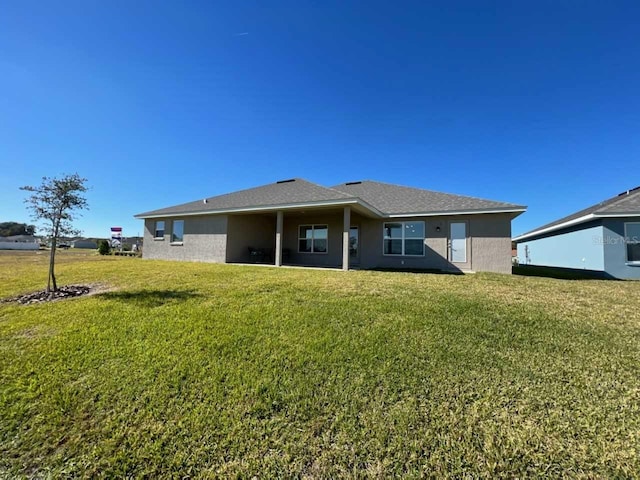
(214, 371)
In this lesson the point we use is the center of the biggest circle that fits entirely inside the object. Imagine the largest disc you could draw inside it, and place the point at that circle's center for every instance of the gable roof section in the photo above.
(381, 199)
(624, 204)
(396, 200)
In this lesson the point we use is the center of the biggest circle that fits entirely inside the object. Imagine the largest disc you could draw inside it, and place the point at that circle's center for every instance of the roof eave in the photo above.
(329, 203)
(571, 223)
(517, 210)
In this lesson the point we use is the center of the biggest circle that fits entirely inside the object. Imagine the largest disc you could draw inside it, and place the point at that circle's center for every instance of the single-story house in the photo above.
(604, 239)
(19, 242)
(356, 224)
(84, 243)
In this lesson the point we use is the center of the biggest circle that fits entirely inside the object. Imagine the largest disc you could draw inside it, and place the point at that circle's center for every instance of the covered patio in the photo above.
(317, 237)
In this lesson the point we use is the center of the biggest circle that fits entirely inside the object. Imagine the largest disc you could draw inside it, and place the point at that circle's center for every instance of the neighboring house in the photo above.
(604, 238)
(84, 243)
(357, 224)
(19, 242)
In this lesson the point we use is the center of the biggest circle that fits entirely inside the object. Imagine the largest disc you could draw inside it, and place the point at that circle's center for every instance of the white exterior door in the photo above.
(458, 242)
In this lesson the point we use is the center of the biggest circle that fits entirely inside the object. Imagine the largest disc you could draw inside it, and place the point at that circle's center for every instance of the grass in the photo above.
(227, 371)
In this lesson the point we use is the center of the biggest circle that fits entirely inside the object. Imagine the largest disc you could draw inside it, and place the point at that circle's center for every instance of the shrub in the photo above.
(104, 248)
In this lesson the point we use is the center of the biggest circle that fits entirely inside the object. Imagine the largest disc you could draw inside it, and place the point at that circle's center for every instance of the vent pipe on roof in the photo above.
(204, 201)
(629, 191)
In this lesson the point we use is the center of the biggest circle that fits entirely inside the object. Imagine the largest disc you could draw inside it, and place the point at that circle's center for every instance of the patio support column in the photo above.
(345, 238)
(279, 223)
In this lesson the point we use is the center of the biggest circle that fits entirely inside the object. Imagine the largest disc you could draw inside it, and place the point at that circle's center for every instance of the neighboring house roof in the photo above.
(625, 204)
(379, 199)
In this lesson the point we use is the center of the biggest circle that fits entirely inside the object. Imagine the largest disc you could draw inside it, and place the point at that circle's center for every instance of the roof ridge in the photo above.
(326, 188)
(280, 182)
(337, 191)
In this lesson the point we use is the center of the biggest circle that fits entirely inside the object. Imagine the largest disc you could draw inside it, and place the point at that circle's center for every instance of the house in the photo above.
(604, 239)
(84, 243)
(19, 242)
(357, 224)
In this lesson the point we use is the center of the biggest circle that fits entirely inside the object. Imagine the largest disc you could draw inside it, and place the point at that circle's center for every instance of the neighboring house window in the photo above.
(159, 231)
(313, 238)
(632, 240)
(403, 238)
(177, 234)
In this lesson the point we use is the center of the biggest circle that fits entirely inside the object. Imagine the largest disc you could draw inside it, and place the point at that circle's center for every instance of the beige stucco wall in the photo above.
(488, 244)
(491, 243)
(205, 239)
(227, 238)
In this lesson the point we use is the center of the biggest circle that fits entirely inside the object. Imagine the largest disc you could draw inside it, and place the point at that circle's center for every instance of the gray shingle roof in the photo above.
(281, 193)
(395, 199)
(386, 198)
(627, 202)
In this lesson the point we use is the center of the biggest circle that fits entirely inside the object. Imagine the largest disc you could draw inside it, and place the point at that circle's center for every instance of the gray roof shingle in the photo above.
(285, 192)
(386, 198)
(395, 199)
(627, 202)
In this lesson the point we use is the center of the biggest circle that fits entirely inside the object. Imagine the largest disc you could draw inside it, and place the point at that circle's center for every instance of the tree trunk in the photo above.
(52, 261)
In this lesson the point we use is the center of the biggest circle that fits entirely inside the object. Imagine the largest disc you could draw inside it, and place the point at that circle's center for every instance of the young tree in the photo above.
(54, 202)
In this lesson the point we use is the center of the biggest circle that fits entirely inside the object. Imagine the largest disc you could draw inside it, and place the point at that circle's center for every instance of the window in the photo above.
(403, 238)
(632, 241)
(159, 231)
(313, 238)
(177, 234)
(354, 234)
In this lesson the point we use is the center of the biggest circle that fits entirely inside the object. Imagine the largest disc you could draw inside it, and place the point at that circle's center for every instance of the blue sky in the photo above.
(159, 103)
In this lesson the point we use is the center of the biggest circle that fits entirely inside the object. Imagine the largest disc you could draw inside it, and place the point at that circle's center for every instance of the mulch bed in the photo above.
(67, 291)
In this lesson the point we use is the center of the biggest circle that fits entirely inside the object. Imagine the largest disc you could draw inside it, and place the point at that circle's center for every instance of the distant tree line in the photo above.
(9, 229)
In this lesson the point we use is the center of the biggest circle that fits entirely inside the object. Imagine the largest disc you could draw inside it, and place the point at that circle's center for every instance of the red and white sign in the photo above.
(116, 236)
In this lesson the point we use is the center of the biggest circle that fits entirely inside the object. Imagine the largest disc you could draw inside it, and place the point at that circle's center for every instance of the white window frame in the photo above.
(173, 229)
(627, 241)
(313, 229)
(156, 229)
(403, 238)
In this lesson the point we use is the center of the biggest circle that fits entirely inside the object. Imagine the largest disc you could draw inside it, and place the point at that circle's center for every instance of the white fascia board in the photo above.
(458, 212)
(326, 203)
(569, 223)
(616, 215)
